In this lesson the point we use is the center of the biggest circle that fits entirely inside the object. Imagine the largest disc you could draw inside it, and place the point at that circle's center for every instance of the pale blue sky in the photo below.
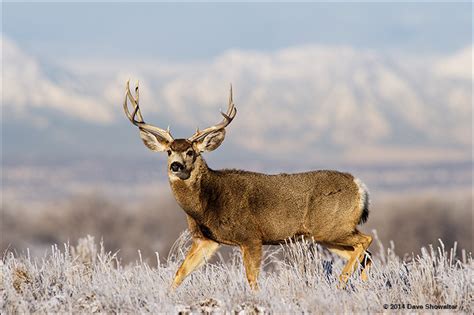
(192, 31)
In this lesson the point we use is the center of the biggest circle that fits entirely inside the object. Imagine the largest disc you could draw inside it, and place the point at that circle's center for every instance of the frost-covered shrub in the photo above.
(302, 278)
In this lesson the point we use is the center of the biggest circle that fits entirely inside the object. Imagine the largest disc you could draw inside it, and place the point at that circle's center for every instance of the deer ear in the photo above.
(153, 142)
(211, 142)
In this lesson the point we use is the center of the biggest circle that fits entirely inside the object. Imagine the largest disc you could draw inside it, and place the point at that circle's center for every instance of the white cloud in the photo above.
(457, 66)
(25, 86)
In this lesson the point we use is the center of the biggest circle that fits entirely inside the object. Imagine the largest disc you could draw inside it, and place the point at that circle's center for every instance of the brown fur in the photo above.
(180, 145)
(250, 209)
(233, 207)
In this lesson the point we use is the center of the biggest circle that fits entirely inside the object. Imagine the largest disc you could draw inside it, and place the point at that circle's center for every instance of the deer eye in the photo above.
(190, 153)
(169, 152)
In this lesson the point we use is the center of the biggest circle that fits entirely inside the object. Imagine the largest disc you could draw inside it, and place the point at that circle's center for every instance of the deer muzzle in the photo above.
(176, 167)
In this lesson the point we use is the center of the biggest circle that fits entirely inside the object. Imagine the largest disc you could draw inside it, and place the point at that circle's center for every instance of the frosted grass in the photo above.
(297, 277)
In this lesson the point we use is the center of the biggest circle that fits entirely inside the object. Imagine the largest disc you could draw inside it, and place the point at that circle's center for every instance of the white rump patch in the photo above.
(363, 194)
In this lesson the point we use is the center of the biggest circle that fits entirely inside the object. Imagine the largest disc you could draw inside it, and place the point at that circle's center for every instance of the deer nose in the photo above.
(176, 167)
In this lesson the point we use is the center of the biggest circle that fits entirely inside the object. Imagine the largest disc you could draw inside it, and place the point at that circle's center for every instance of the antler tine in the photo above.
(231, 110)
(134, 101)
(230, 107)
(140, 123)
(228, 117)
(125, 105)
(137, 96)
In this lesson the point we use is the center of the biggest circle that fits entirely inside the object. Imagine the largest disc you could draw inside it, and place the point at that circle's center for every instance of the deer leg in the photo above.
(365, 265)
(364, 258)
(200, 251)
(359, 243)
(345, 252)
(252, 256)
(350, 266)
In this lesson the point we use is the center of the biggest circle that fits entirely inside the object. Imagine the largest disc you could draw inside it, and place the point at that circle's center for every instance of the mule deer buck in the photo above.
(249, 209)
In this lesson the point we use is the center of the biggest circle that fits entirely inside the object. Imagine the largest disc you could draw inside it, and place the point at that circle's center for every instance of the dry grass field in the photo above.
(131, 269)
(298, 278)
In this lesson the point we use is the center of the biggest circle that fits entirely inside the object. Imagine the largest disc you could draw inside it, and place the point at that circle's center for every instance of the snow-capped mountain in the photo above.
(313, 101)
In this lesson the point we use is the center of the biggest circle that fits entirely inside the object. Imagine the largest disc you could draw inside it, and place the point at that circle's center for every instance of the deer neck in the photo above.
(187, 192)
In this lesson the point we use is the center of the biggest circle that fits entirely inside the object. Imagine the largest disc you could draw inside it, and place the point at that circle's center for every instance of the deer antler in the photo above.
(140, 123)
(228, 117)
